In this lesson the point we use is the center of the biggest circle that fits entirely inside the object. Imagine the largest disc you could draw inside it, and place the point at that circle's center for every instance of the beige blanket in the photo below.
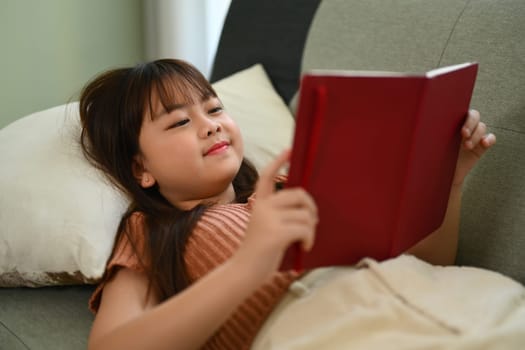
(402, 303)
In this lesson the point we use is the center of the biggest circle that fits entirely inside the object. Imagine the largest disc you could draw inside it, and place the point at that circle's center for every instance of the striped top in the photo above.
(216, 236)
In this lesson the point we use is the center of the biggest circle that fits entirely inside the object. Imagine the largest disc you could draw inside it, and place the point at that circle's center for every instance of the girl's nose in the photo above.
(210, 127)
(214, 129)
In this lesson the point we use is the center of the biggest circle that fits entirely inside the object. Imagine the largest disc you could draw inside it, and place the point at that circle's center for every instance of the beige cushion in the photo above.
(58, 215)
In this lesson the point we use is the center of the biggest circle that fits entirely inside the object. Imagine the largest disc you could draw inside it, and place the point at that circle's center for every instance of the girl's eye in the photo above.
(179, 123)
(215, 110)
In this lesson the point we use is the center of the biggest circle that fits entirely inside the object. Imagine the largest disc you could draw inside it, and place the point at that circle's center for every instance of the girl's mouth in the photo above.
(217, 148)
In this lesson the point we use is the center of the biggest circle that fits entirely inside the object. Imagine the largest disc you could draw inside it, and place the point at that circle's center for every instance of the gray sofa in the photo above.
(288, 37)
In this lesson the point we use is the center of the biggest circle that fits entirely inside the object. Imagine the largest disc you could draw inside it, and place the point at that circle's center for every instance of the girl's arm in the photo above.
(440, 247)
(130, 318)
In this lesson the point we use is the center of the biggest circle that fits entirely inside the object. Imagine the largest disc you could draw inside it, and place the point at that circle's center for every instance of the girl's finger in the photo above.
(265, 185)
(299, 216)
(296, 198)
(476, 135)
(469, 126)
(488, 140)
(300, 233)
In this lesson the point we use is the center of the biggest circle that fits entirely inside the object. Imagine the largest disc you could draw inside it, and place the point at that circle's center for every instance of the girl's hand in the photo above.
(475, 142)
(278, 219)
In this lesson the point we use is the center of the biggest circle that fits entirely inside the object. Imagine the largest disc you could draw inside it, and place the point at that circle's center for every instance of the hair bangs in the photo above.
(175, 83)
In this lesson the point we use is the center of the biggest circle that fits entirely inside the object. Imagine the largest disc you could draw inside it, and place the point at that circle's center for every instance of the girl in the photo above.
(196, 256)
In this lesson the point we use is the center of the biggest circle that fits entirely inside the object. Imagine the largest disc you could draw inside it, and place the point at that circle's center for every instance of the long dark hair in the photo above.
(112, 108)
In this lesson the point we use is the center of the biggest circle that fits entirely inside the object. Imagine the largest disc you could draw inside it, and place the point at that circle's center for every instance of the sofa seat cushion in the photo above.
(45, 318)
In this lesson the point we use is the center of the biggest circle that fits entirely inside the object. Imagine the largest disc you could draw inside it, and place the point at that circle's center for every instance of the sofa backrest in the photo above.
(412, 35)
(407, 35)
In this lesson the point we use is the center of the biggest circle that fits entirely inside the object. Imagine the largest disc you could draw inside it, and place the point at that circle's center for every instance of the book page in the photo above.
(357, 73)
(443, 70)
(376, 73)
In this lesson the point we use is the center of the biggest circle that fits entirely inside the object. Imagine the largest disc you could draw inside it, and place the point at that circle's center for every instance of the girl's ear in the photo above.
(143, 177)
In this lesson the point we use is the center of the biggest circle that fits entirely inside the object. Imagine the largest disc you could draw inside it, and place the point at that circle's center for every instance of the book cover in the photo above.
(377, 151)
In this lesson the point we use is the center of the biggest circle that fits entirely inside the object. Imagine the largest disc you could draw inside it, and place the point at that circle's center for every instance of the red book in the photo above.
(377, 151)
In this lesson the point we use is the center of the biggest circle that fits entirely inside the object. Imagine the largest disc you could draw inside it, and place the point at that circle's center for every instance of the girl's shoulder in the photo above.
(134, 226)
(136, 218)
(129, 251)
(131, 240)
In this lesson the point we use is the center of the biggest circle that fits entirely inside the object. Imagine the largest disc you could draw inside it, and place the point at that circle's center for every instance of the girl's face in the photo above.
(191, 151)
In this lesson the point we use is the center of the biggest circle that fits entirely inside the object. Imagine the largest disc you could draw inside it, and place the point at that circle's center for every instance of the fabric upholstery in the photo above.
(72, 207)
(271, 32)
(58, 318)
(356, 34)
(401, 303)
(493, 220)
(492, 233)
(10, 340)
(418, 36)
(58, 215)
(369, 35)
(46, 318)
(421, 35)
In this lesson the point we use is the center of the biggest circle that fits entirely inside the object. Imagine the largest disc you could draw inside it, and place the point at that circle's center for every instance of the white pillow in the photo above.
(58, 215)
